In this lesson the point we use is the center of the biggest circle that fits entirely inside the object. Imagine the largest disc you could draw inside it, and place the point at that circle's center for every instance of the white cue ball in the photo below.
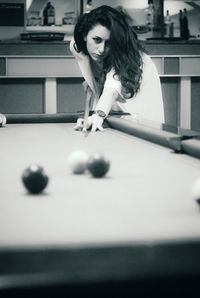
(77, 161)
(2, 120)
(196, 190)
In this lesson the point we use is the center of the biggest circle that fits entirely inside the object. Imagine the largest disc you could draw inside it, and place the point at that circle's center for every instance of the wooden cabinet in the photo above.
(48, 84)
(180, 79)
(30, 66)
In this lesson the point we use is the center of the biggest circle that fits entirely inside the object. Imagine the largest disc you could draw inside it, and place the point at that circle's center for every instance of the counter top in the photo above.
(35, 48)
(56, 48)
(172, 40)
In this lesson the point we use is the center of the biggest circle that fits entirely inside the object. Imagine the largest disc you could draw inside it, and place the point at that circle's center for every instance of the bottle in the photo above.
(181, 23)
(49, 15)
(167, 18)
(168, 25)
(185, 25)
(150, 15)
(45, 15)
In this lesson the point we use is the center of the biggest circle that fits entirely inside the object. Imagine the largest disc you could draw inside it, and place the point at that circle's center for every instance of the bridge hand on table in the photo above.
(94, 121)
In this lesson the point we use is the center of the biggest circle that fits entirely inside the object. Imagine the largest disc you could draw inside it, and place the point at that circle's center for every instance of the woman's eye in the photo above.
(97, 39)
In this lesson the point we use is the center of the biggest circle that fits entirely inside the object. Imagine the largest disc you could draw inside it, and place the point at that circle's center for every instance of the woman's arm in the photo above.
(103, 108)
(72, 47)
(84, 65)
(107, 99)
(111, 92)
(104, 105)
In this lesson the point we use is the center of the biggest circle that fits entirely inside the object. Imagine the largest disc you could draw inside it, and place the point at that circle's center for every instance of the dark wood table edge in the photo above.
(179, 143)
(50, 266)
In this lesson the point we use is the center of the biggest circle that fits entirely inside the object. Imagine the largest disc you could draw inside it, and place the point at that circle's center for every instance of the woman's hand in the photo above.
(97, 123)
(94, 122)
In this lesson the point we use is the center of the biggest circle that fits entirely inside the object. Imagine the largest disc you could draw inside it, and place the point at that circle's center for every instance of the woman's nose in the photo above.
(101, 48)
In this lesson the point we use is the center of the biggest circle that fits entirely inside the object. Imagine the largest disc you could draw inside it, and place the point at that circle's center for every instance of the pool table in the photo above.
(133, 233)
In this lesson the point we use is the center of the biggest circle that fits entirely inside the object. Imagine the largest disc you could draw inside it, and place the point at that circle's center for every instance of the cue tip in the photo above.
(85, 132)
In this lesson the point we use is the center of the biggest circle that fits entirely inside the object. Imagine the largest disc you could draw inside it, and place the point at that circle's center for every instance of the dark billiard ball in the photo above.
(34, 178)
(98, 164)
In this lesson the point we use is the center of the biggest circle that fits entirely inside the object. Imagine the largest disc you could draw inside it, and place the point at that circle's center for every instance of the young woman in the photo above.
(118, 74)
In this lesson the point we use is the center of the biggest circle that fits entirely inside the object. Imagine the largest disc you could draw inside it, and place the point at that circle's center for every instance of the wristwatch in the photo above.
(100, 113)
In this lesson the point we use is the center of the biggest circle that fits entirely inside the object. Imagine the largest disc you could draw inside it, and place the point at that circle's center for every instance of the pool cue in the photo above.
(86, 113)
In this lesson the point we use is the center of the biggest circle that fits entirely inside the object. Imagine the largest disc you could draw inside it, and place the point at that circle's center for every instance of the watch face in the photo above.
(101, 113)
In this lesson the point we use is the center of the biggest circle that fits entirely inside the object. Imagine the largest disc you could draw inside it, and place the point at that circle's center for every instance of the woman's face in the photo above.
(97, 42)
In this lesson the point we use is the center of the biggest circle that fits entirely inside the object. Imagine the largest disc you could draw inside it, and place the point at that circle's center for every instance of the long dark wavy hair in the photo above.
(125, 49)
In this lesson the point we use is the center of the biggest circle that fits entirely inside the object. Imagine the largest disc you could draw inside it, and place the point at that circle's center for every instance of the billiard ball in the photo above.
(98, 165)
(77, 161)
(2, 120)
(35, 179)
(196, 190)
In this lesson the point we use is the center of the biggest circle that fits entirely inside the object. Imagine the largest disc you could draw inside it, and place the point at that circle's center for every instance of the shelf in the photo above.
(67, 29)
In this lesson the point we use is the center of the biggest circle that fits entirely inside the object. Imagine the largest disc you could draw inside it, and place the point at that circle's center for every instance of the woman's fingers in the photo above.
(96, 127)
(93, 121)
(97, 123)
(79, 124)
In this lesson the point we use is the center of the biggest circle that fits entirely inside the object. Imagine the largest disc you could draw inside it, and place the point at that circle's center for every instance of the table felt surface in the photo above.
(145, 197)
